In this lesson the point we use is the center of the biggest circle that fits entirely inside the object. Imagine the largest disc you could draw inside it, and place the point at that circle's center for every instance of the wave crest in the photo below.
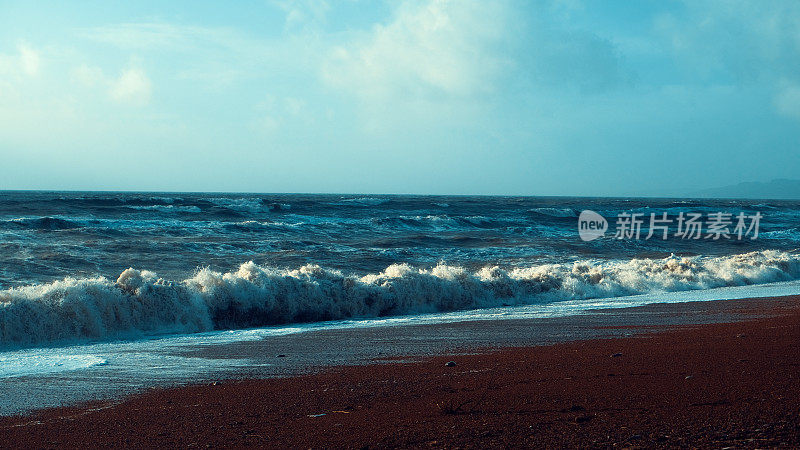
(139, 302)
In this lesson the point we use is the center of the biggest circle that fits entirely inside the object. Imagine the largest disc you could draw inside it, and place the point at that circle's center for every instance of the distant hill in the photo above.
(781, 189)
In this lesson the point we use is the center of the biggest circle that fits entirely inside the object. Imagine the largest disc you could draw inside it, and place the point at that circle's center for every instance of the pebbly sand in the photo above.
(710, 374)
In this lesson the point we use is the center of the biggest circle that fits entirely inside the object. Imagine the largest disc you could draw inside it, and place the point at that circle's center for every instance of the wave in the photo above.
(141, 303)
(105, 225)
(440, 222)
(115, 200)
(251, 205)
(174, 204)
(260, 226)
(362, 201)
(429, 222)
(764, 206)
(42, 223)
(555, 212)
(168, 208)
(792, 234)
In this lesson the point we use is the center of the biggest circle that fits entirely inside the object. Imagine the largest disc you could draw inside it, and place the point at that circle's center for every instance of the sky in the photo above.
(558, 97)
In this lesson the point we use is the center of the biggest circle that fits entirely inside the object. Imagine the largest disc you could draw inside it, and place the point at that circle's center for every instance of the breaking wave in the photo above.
(141, 303)
(555, 212)
(168, 208)
(363, 201)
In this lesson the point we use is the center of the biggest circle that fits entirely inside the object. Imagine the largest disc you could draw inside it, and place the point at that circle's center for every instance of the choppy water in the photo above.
(96, 266)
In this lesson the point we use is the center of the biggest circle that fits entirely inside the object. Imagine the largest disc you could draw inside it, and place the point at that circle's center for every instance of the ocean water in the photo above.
(93, 266)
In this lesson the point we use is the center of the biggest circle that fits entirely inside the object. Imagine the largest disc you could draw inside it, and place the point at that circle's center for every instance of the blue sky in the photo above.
(559, 97)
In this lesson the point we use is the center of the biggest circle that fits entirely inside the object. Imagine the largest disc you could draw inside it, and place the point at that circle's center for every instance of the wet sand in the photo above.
(686, 379)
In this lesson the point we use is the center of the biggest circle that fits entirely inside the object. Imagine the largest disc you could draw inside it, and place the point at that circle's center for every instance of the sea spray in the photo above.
(140, 303)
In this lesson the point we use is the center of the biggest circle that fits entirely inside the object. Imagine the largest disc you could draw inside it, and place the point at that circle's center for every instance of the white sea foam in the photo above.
(141, 303)
(249, 205)
(790, 235)
(42, 362)
(555, 212)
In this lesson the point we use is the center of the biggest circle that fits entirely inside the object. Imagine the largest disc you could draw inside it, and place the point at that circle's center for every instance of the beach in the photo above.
(709, 374)
(405, 224)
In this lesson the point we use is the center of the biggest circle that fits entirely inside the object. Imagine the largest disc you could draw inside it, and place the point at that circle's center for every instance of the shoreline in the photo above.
(130, 368)
(731, 379)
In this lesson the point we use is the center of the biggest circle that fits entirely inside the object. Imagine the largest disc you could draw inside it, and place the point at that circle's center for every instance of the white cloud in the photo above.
(160, 37)
(429, 48)
(787, 101)
(216, 57)
(266, 124)
(25, 63)
(133, 87)
(144, 36)
(304, 12)
(294, 106)
(29, 60)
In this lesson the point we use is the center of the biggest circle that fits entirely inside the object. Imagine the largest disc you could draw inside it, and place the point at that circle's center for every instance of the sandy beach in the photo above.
(709, 385)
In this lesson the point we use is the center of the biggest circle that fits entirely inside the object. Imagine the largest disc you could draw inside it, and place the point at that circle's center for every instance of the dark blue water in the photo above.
(48, 236)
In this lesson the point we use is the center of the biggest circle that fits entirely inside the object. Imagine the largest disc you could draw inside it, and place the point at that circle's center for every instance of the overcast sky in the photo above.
(449, 97)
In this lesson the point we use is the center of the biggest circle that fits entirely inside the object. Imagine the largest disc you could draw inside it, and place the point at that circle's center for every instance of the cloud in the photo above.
(787, 101)
(294, 106)
(156, 35)
(170, 38)
(746, 41)
(29, 60)
(133, 87)
(216, 58)
(745, 44)
(304, 13)
(427, 49)
(573, 59)
(25, 63)
(515, 85)
(273, 113)
(440, 52)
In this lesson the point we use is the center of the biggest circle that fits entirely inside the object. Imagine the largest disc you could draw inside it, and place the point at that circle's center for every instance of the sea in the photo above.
(98, 285)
